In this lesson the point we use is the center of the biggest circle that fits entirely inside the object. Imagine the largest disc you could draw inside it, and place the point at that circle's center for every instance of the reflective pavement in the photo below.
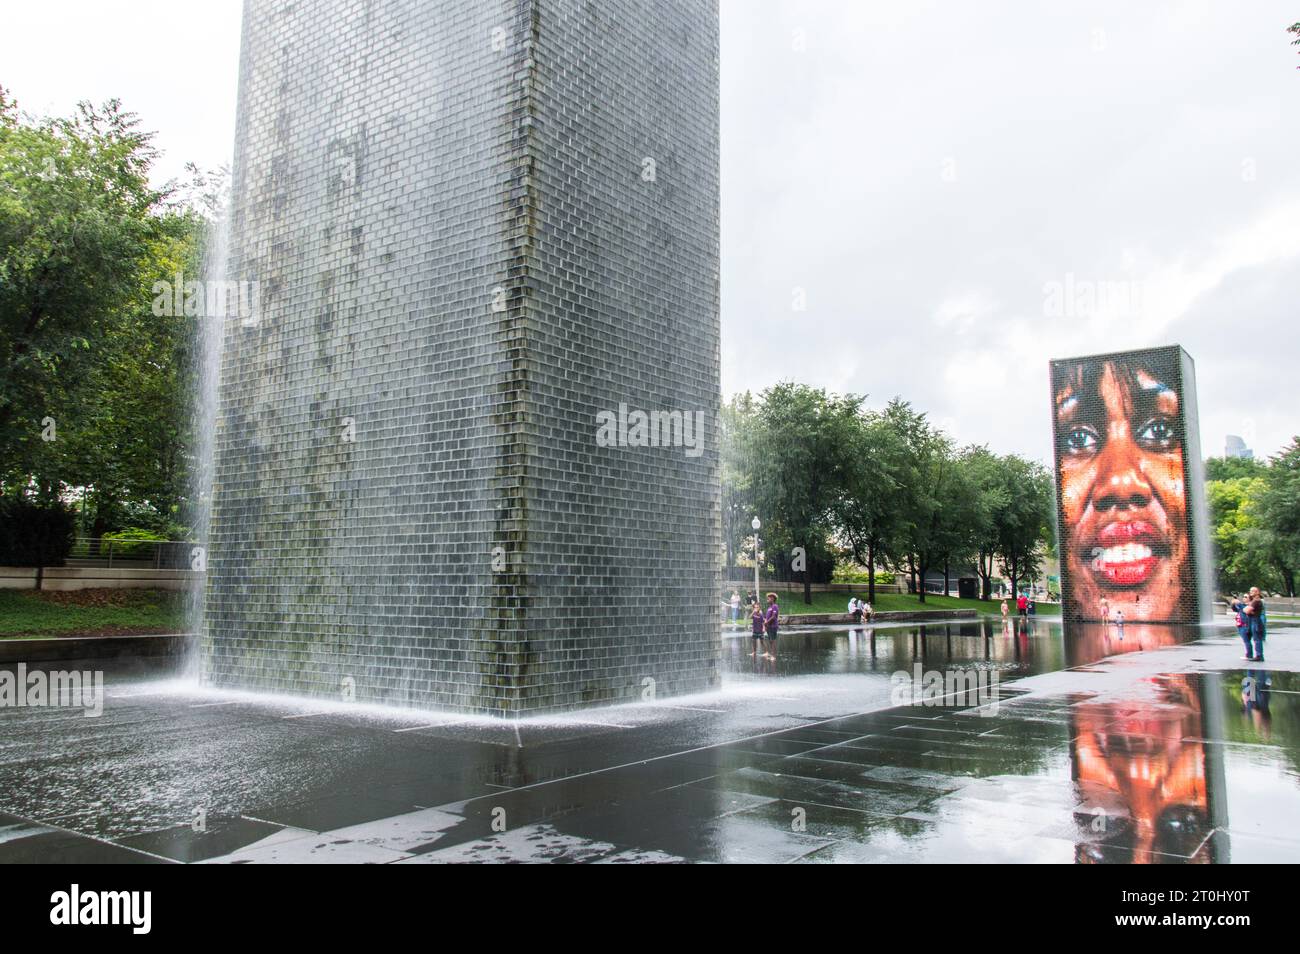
(1157, 745)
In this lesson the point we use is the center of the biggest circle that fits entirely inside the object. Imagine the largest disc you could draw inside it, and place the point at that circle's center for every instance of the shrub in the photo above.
(33, 534)
(848, 573)
(133, 543)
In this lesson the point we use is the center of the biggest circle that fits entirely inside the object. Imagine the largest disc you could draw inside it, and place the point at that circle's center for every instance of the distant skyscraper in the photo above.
(466, 456)
(1234, 446)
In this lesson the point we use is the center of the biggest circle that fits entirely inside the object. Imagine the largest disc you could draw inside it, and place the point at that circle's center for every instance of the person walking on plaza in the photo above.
(1105, 610)
(756, 624)
(772, 623)
(1255, 610)
(735, 607)
(1022, 606)
(1004, 611)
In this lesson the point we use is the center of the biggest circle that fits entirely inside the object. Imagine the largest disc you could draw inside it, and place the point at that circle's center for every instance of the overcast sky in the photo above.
(919, 199)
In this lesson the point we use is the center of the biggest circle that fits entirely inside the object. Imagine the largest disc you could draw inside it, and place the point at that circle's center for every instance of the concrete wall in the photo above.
(93, 578)
(848, 589)
(125, 650)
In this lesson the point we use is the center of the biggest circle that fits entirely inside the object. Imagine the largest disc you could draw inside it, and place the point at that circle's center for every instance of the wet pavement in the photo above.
(1026, 745)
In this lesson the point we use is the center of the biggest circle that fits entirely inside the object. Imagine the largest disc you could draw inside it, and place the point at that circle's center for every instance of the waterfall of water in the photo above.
(209, 332)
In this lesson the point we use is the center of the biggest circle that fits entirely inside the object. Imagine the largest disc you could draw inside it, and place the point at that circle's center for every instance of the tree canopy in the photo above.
(882, 488)
(94, 387)
(1255, 521)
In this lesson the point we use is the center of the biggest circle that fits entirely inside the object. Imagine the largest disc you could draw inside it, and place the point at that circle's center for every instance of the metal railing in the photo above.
(108, 552)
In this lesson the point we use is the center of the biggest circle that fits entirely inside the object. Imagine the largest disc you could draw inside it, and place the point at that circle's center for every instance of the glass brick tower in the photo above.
(476, 226)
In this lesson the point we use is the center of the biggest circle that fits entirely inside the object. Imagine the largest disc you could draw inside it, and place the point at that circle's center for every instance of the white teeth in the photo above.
(1125, 553)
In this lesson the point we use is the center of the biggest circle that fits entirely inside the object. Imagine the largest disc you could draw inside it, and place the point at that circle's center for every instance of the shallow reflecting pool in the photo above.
(1013, 649)
(1150, 747)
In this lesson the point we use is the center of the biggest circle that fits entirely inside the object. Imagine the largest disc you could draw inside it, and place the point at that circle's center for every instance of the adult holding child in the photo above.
(1258, 626)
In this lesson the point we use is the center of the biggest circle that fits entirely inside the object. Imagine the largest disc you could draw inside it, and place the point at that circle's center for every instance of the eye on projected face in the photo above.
(1119, 455)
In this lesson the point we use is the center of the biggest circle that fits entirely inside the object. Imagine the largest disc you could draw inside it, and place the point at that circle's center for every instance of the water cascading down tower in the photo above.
(465, 450)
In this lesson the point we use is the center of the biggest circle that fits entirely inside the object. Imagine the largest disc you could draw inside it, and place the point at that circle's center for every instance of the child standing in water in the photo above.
(772, 621)
(756, 624)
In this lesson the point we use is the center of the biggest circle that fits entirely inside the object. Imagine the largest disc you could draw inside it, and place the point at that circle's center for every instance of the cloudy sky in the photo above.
(919, 199)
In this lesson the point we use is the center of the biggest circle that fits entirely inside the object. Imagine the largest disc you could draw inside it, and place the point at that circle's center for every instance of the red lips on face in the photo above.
(1125, 554)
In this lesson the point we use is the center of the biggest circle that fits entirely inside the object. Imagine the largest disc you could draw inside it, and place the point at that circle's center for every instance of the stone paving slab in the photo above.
(1170, 755)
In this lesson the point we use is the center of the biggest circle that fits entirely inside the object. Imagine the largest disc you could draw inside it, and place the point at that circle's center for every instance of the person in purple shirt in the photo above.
(756, 626)
(771, 623)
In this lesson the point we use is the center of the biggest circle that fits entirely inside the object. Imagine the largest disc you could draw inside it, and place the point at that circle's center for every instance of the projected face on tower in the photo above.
(1121, 483)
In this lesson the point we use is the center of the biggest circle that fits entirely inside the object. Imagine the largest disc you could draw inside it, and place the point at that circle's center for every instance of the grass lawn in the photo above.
(792, 604)
(30, 614)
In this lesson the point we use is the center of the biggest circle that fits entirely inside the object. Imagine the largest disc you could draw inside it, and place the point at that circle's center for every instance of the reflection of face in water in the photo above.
(1141, 777)
(1123, 504)
(1090, 643)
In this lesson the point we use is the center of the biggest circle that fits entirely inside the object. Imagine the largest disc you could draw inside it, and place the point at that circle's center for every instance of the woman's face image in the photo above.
(1137, 761)
(1123, 503)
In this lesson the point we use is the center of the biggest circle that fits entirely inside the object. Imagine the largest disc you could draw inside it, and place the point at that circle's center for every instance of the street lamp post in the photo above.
(757, 525)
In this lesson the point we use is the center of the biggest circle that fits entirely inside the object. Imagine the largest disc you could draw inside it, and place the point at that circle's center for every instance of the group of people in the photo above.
(1025, 607)
(751, 599)
(1107, 617)
(1248, 613)
(860, 610)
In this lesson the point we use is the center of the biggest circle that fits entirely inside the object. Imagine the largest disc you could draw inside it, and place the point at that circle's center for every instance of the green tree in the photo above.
(83, 239)
(799, 453)
(866, 514)
(927, 473)
(131, 443)
(963, 515)
(1276, 538)
(986, 473)
(1228, 468)
(1238, 536)
(1023, 524)
(77, 227)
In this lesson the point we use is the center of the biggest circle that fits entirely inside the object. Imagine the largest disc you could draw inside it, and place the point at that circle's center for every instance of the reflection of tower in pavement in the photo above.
(1090, 642)
(1150, 787)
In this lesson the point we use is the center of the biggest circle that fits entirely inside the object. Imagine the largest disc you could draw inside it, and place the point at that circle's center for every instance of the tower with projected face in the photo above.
(1130, 488)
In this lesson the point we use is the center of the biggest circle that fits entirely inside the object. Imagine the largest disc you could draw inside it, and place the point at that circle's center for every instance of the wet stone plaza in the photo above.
(1153, 745)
